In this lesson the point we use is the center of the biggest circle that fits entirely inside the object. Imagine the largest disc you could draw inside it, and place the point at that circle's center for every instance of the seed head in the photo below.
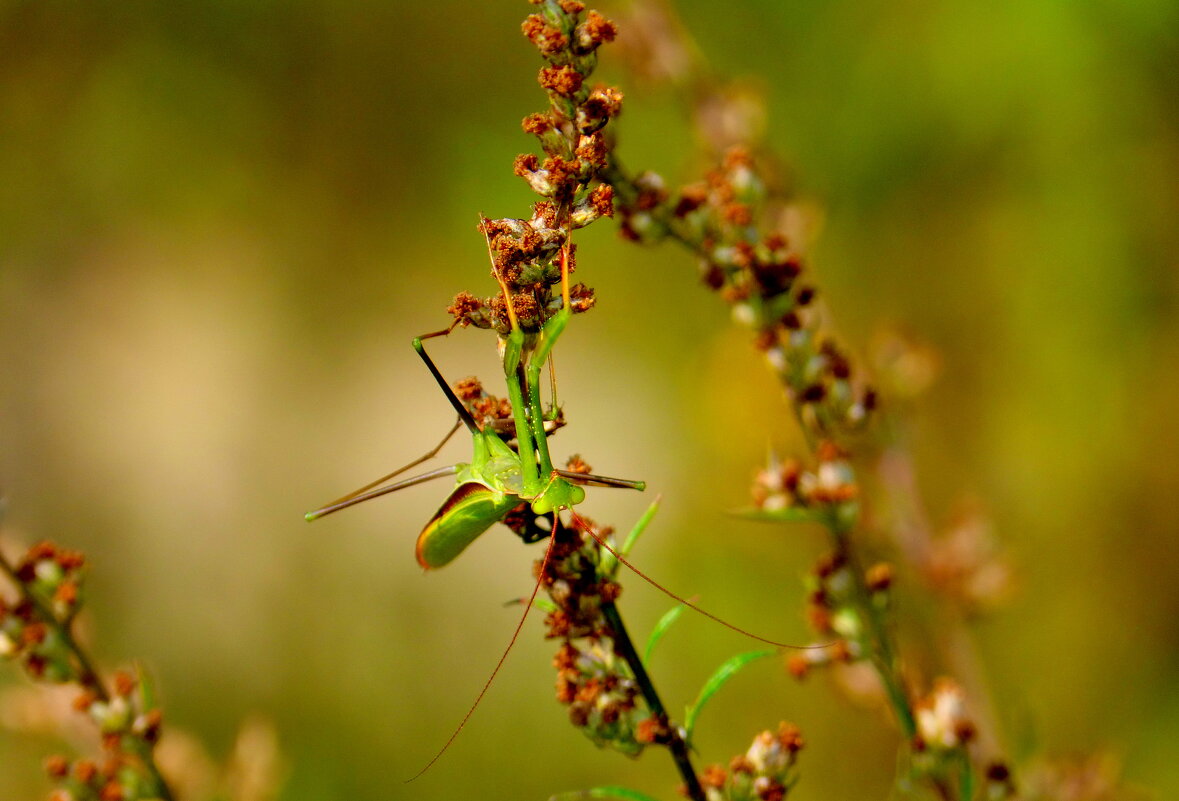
(124, 683)
(714, 776)
(57, 766)
(942, 721)
(85, 771)
(879, 577)
(594, 32)
(564, 81)
(548, 40)
(537, 124)
(603, 104)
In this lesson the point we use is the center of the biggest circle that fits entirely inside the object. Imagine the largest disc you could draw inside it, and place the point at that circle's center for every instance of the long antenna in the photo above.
(427, 456)
(622, 559)
(503, 658)
(352, 500)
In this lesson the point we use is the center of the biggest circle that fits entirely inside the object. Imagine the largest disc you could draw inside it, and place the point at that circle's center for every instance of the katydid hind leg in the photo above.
(549, 333)
(554, 404)
(556, 324)
(464, 415)
(548, 336)
(515, 375)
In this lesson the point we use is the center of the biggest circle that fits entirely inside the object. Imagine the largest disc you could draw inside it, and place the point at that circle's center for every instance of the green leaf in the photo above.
(790, 514)
(965, 776)
(661, 628)
(609, 562)
(624, 793)
(719, 679)
(639, 527)
(147, 687)
(539, 602)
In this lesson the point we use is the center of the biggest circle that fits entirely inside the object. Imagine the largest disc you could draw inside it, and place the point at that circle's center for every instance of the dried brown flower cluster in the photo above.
(826, 491)
(943, 722)
(966, 566)
(572, 136)
(130, 728)
(485, 408)
(765, 772)
(834, 611)
(36, 630)
(49, 580)
(732, 223)
(593, 681)
(946, 731)
(759, 274)
(527, 257)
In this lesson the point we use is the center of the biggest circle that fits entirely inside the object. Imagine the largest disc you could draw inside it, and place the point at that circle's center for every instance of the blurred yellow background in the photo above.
(222, 222)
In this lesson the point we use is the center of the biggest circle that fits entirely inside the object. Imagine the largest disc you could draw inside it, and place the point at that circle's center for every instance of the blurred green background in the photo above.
(222, 222)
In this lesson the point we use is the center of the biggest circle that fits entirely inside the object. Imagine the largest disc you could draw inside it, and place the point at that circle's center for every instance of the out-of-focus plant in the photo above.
(119, 715)
(856, 479)
(601, 677)
(750, 248)
(735, 223)
(37, 632)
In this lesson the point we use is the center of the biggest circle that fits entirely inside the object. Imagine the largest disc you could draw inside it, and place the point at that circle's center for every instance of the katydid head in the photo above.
(558, 494)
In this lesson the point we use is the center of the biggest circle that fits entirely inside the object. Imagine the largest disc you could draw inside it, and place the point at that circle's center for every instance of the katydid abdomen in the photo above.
(467, 512)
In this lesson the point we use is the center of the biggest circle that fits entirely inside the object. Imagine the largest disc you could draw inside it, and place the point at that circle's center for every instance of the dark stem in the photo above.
(675, 743)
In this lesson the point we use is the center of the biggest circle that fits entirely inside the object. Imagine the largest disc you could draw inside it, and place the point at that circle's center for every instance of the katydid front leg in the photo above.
(513, 353)
(558, 493)
(544, 345)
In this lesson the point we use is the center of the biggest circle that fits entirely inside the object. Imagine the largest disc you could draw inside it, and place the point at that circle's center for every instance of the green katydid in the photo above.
(497, 479)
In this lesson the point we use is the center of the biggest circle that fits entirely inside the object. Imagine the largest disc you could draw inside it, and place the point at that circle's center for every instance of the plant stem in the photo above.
(883, 654)
(87, 675)
(914, 535)
(679, 749)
